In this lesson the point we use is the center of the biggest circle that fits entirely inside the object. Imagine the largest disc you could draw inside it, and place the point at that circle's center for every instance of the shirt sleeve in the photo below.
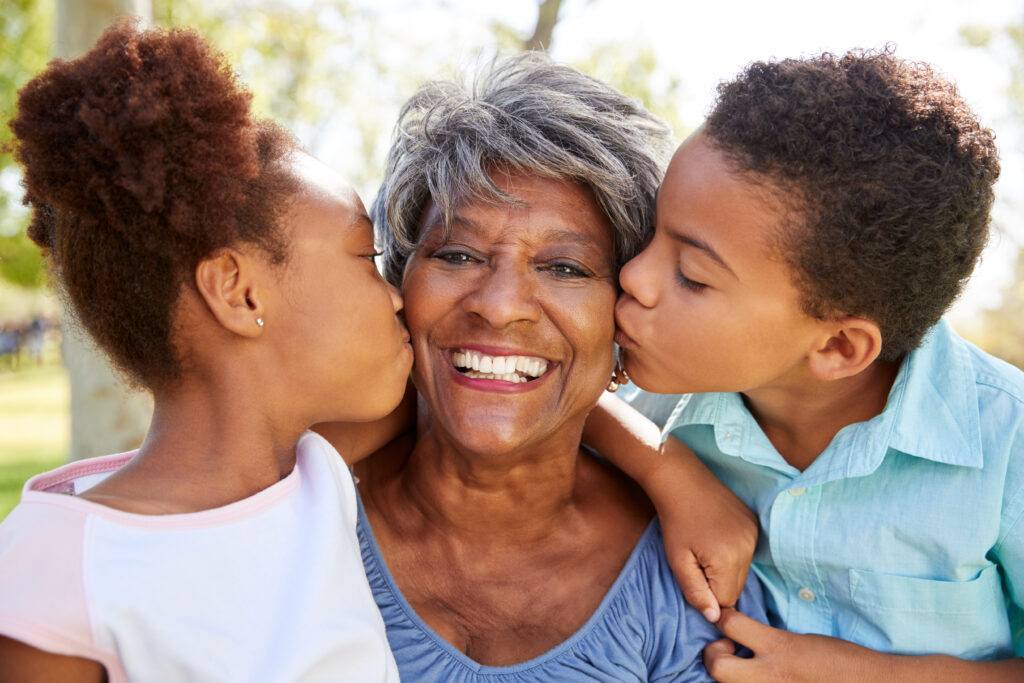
(42, 600)
(656, 407)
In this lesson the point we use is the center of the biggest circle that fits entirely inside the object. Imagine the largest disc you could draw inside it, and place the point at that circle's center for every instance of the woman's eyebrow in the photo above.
(573, 236)
(704, 247)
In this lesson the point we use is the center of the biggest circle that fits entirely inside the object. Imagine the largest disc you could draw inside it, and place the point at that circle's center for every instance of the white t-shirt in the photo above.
(270, 588)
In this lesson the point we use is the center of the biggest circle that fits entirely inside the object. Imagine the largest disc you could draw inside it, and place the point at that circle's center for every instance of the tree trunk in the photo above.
(547, 18)
(105, 416)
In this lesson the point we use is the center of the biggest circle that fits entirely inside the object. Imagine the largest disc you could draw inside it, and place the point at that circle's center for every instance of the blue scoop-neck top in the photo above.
(643, 629)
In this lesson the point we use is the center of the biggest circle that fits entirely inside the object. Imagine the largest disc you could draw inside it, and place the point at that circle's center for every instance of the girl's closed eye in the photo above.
(687, 283)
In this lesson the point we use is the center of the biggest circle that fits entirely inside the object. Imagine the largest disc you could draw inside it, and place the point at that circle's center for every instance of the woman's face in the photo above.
(335, 320)
(511, 314)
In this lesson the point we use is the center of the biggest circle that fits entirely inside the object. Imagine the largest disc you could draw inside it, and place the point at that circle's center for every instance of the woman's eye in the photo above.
(372, 258)
(454, 257)
(687, 283)
(565, 270)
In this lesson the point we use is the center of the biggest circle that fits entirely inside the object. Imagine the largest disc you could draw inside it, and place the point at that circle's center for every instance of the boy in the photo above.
(809, 238)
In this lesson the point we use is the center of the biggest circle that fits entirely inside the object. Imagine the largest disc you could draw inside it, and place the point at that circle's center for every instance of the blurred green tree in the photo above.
(1001, 330)
(26, 38)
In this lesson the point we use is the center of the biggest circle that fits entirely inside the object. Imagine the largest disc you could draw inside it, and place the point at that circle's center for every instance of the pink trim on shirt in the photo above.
(50, 488)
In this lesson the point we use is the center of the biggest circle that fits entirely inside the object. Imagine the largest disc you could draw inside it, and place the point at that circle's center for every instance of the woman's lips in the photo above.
(497, 370)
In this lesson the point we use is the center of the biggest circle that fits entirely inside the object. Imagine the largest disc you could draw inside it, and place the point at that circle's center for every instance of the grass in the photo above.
(35, 425)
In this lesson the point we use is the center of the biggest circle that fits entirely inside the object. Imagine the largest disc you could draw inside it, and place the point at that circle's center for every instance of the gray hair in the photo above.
(524, 114)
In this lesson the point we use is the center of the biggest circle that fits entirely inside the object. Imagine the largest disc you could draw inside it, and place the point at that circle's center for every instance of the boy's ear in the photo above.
(227, 281)
(852, 344)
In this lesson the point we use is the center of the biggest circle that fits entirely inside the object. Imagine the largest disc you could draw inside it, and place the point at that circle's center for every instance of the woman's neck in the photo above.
(524, 494)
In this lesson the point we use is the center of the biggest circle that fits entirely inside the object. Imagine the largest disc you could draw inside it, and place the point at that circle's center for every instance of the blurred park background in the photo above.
(336, 72)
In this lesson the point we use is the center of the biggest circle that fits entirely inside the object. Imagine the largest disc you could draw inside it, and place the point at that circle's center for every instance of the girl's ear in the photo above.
(227, 282)
(852, 345)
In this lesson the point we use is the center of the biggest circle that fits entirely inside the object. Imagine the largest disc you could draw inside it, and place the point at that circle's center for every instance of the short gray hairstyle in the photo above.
(523, 114)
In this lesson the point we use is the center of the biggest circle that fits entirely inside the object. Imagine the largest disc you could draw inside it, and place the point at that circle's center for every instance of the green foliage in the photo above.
(26, 35)
(21, 261)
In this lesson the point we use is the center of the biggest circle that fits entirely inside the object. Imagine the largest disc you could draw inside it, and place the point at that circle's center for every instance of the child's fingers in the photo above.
(746, 631)
(695, 586)
(726, 584)
(721, 662)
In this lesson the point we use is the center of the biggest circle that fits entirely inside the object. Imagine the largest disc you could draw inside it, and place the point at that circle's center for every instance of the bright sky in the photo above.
(702, 43)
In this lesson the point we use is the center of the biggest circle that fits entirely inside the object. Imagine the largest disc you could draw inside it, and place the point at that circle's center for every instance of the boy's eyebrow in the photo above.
(703, 246)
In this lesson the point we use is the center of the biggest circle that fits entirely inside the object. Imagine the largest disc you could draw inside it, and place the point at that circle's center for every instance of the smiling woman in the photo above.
(497, 548)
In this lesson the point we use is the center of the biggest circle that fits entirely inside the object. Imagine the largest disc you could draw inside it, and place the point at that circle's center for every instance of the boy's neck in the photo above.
(801, 420)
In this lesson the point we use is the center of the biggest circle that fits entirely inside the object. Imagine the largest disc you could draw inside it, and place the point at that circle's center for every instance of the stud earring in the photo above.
(259, 321)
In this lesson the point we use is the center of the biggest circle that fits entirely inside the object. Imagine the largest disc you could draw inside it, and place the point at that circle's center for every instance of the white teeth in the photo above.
(503, 368)
(506, 377)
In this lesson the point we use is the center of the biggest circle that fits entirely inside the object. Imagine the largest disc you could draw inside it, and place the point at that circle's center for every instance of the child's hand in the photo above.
(783, 656)
(709, 533)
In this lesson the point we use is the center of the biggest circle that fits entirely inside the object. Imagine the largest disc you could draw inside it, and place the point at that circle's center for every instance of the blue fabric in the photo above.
(905, 535)
(643, 630)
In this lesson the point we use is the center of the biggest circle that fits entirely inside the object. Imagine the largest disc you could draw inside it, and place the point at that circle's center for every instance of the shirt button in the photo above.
(806, 594)
(797, 492)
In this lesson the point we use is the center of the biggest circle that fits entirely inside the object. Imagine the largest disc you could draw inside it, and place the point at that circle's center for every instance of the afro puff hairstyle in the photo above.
(885, 172)
(140, 159)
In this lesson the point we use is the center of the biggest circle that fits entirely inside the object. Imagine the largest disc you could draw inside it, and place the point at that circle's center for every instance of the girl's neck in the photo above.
(205, 448)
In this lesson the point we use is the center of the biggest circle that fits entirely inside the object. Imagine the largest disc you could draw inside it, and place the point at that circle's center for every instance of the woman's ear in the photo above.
(851, 345)
(228, 282)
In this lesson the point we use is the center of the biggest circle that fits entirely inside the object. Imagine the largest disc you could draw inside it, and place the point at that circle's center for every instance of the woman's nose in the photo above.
(505, 294)
(637, 279)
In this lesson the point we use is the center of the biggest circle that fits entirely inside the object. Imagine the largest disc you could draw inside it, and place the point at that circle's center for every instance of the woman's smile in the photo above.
(488, 369)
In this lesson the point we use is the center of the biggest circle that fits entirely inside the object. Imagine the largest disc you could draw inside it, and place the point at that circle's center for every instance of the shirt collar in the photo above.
(931, 413)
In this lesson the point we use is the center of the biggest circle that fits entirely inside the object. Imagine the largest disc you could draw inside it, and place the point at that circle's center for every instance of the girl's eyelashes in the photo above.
(372, 257)
(687, 283)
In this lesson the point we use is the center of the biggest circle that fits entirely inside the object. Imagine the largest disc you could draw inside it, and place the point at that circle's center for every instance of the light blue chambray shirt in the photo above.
(906, 534)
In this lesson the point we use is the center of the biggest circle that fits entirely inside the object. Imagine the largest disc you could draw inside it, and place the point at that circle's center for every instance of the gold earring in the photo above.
(613, 385)
(259, 321)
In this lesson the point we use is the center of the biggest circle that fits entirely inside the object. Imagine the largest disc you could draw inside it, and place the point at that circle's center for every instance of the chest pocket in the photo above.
(908, 615)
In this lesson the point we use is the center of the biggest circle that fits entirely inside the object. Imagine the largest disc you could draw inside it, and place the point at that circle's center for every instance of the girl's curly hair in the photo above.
(888, 176)
(141, 158)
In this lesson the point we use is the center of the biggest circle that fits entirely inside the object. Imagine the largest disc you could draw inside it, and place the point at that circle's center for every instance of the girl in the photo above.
(200, 248)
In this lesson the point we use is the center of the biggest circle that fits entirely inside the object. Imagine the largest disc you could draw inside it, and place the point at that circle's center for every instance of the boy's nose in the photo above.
(636, 281)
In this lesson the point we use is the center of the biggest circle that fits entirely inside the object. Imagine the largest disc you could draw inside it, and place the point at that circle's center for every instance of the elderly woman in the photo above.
(496, 547)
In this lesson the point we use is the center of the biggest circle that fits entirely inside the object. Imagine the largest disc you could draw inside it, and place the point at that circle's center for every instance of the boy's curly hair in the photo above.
(888, 176)
(140, 158)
